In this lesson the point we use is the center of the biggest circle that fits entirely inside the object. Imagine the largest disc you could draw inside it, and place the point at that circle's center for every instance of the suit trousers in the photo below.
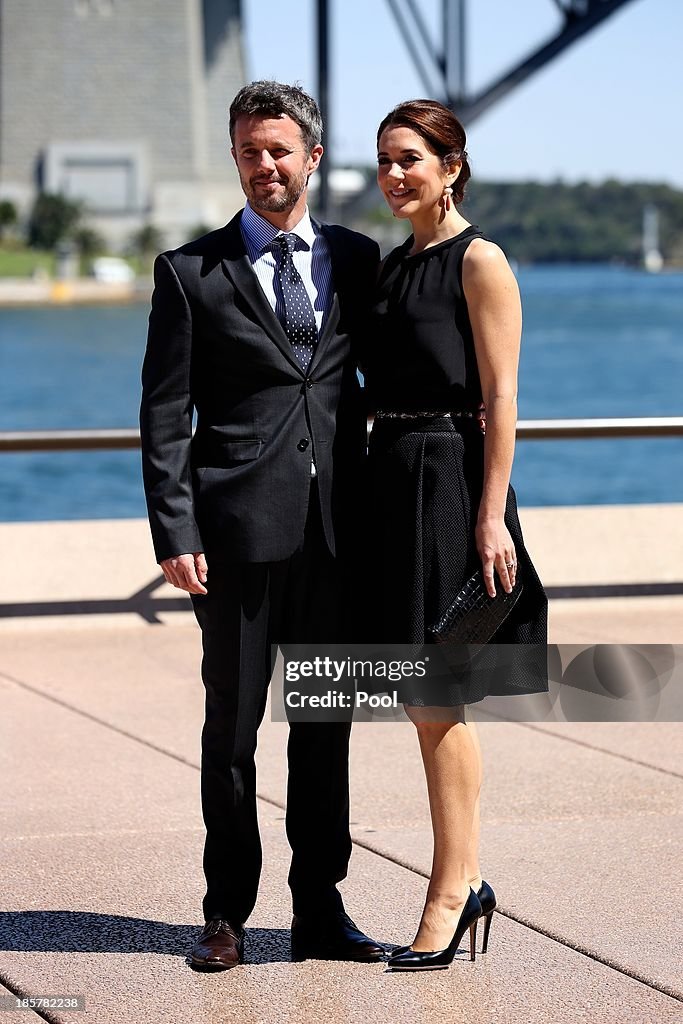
(248, 608)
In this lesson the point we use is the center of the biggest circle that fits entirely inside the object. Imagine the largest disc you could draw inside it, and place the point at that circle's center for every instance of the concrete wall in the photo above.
(224, 77)
(156, 74)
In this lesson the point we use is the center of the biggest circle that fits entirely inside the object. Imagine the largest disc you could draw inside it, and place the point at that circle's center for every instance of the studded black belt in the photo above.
(451, 414)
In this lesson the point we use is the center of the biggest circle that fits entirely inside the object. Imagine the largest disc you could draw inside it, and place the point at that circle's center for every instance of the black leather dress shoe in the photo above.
(332, 937)
(220, 946)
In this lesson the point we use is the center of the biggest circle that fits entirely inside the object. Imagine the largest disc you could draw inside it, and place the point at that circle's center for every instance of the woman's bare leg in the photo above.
(451, 757)
(473, 869)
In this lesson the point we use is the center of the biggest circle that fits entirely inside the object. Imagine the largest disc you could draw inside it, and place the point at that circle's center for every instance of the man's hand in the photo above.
(186, 572)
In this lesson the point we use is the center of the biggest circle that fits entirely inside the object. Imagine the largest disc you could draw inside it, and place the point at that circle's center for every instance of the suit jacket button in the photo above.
(309, 382)
(303, 444)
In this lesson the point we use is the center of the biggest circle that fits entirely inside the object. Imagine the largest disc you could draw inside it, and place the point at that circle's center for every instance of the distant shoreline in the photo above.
(22, 292)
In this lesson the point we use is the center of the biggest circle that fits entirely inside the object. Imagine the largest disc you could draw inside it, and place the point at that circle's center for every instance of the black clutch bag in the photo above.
(473, 617)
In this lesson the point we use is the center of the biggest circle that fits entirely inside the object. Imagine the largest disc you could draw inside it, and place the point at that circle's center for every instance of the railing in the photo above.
(67, 440)
(527, 430)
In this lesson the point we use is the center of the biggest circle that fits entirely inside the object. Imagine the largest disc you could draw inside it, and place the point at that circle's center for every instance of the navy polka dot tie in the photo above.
(300, 323)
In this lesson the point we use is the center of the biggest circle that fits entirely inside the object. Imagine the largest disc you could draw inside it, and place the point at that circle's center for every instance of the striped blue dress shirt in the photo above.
(311, 258)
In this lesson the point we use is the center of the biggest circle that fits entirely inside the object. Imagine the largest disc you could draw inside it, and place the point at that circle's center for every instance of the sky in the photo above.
(607, 107)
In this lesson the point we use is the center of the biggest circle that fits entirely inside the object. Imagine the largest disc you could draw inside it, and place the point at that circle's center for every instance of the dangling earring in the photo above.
(447, 193)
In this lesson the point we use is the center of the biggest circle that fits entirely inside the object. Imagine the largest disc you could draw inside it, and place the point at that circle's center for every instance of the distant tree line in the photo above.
(534, 223)
(552, 223)
(55, 220)
(576, 223)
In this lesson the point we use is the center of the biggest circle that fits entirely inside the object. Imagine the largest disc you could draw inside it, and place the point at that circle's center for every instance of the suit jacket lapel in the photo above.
(339, 268)
(238, 268)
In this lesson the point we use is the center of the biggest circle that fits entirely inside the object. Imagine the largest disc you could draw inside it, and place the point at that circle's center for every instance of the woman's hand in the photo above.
(497, 552)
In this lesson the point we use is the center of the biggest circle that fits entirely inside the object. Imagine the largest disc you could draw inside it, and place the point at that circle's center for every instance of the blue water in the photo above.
(598, 341)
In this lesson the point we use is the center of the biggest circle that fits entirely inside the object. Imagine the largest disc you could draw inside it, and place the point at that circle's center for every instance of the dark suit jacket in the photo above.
(241, 484)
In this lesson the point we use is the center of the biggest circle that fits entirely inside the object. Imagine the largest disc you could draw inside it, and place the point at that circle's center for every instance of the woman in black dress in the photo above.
(444, 335)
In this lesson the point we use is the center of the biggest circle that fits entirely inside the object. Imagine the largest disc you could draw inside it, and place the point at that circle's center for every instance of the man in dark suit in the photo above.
(252, 327)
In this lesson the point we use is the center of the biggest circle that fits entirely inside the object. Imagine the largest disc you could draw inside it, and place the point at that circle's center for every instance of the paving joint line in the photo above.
(589, 746)
(15, 989)
(525, 923)
(586, 951)
(99, 721)
(192, 764)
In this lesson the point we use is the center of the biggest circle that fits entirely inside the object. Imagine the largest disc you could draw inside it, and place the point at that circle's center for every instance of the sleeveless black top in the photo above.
(419, 352)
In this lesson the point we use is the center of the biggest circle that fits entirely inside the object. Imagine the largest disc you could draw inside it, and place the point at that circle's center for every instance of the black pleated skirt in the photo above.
(426, 481)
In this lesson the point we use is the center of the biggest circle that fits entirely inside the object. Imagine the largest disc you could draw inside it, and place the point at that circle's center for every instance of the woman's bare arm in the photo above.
(496, 317)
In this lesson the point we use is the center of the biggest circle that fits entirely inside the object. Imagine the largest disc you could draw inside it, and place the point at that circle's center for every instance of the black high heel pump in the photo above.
(412, 960)
(487, 898)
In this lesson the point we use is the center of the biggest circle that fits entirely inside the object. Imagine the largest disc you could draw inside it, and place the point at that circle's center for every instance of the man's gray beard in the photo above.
(278, 203)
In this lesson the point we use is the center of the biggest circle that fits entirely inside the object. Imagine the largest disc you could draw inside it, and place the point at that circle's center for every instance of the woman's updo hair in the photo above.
(440, 129)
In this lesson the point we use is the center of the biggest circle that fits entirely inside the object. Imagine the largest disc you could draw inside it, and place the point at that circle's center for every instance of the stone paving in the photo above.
(102, 834)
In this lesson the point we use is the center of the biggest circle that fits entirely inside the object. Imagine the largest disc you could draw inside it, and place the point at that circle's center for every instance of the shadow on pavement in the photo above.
(141, 603)
(69, 931)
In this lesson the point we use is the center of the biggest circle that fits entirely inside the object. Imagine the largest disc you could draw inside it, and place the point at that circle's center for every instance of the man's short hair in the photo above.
(273, 99)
